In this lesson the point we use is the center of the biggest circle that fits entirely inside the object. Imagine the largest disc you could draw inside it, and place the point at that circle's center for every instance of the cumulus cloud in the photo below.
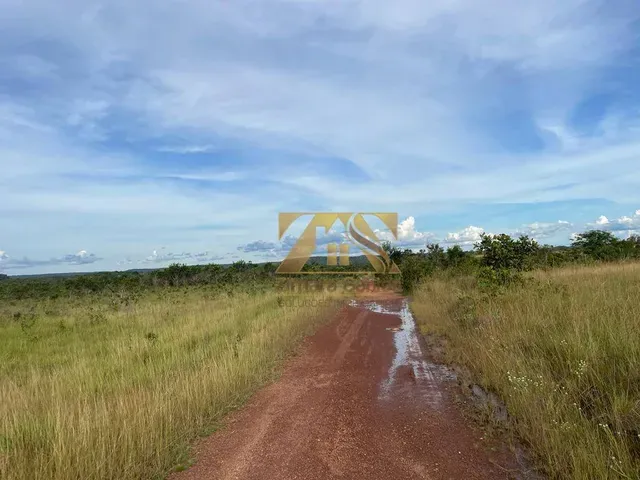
(408, 235)
(625, 225)
(537, 230)
(81, 258)
(465, 237)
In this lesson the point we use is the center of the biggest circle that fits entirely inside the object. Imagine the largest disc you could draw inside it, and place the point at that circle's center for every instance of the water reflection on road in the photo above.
(411, 377)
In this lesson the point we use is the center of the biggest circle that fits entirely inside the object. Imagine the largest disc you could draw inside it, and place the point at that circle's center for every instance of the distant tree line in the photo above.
(245, 274)
(495, 260)
(131, 282)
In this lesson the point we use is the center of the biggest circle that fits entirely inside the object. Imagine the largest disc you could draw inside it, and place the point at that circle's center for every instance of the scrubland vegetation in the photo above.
(113, 375)
(116, 385)
(560, 346)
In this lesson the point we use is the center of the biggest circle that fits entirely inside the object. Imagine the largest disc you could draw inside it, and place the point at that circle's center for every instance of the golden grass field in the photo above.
(90, 390)
(563, 351)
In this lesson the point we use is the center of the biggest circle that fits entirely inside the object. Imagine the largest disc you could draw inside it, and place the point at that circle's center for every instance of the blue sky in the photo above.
(134, 134)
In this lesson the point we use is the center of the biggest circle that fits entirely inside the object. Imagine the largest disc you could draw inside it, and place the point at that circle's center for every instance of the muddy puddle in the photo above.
(411, 377)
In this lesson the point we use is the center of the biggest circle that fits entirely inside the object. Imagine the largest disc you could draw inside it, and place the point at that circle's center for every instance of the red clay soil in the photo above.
(360, 401)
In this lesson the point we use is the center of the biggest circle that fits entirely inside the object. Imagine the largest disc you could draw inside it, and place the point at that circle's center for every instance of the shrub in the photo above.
(501, 252)
(413, 269)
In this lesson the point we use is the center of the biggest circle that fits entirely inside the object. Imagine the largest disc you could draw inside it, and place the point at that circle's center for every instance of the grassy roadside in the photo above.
(90, 390)
(562, 351)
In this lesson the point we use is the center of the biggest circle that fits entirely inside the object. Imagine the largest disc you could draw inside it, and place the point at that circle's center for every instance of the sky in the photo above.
(138, 134)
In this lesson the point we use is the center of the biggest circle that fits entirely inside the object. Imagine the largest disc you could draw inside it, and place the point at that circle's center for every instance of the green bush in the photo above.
(414, 268)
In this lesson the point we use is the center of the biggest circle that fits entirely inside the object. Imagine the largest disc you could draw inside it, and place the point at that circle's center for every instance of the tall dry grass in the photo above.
(563, 351)
(92, 392)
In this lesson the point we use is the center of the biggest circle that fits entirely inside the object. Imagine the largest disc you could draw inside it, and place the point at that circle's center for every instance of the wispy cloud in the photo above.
(162, 256)
(117, 135)
(186, 148)
(542, 230)
(261, 246)
(81, 258)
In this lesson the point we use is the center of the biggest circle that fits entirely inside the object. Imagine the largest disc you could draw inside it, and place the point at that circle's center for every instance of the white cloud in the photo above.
(80, 258)
(408, 235)
(260, 246)
(465, 237)
(624, 225)
(162, 256)
(542, 230)
(537, 230)
(186, 148)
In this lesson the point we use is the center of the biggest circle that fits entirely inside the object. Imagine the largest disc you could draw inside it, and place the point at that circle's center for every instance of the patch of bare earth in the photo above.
(359, 401)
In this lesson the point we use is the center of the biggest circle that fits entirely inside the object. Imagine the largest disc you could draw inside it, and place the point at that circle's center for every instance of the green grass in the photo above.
(563, 351)
(96, 389)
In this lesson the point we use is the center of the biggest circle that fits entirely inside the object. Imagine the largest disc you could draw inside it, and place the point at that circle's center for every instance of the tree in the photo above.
(435, 254)
(269, 267)
(630, 247)
(175, 274)
(414, 268)
(501, 252)
(240, 266)
(598, 244)
(455, 255)
(634, 240)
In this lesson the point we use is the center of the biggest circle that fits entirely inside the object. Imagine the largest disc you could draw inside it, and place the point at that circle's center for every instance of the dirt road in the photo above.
(359, 401)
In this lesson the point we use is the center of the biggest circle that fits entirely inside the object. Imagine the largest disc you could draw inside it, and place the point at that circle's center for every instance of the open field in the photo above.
(93, 389)
(563, 351)
(115, 377)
